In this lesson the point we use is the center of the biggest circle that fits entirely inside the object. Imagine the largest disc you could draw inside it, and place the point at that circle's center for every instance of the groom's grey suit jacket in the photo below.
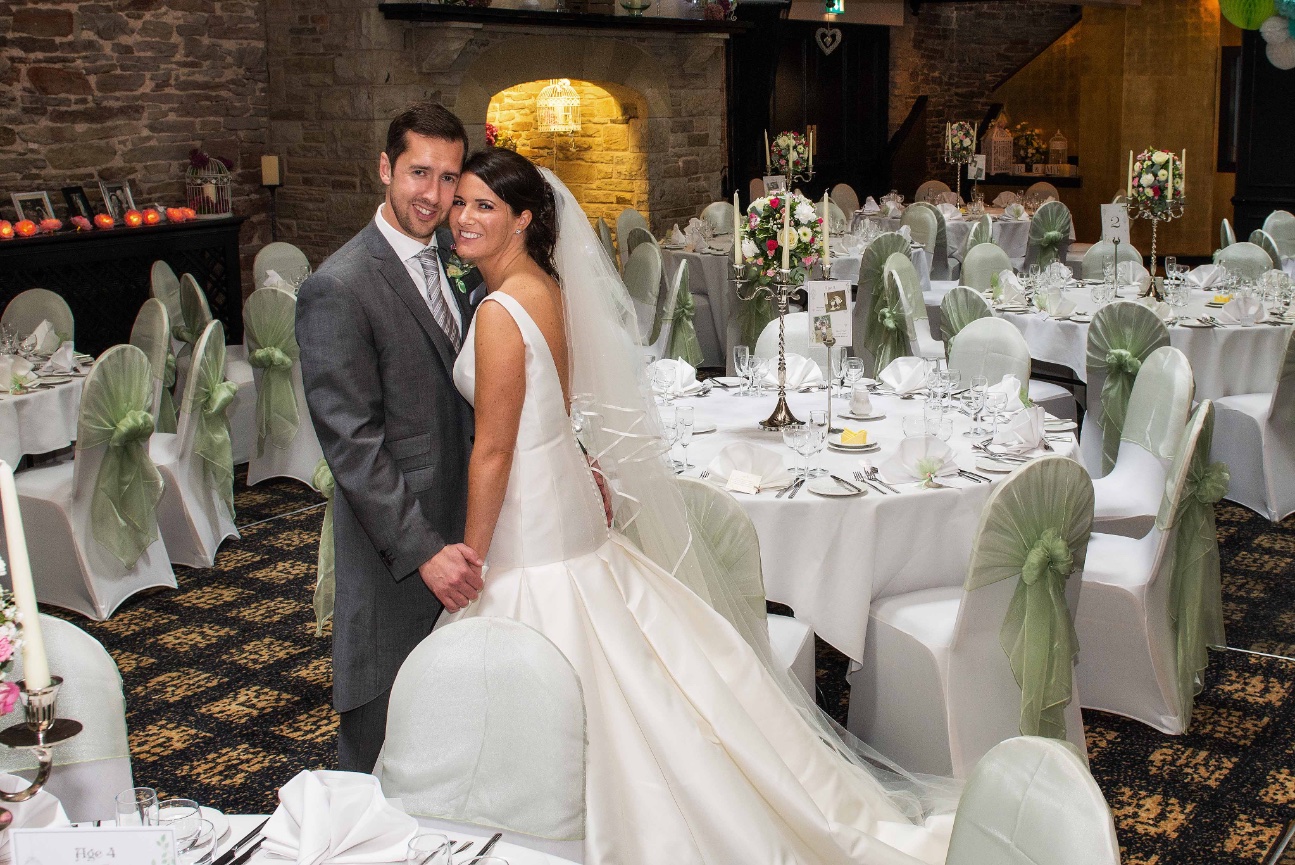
(378, 376)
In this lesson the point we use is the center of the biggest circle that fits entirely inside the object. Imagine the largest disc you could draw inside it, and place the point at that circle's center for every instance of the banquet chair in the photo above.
(959, 308)
(1102, 253)
(1244, 259)
(663, 320)
(1265, 241)
(643, 281)
(165, 286)
(981, 232)
(938, 243)
(1280, 225)
(924, 190)
(837, 220)
(1032, 801)
(845, 197)
(1151, 606)
(949, 197)
(755, 188)
(1043, 188)
(286, 260)
(92, 768)
(1256, 439)
(994, 348)
(719, 216)
(638, 235)
(1121, 337)
(730, 537)
(938, 684)
(91, 522)
(982, 263)
(1049, 238)
(29, 308)
(798, 342)
(197, 510)
(1227, 236)
(286, 445)
(486, 726)
(629, 218)
(1128, 496)
(899, 267)
(1003, 199)
(924, 225)
(873, 341)
(151, 334)
(605, 236)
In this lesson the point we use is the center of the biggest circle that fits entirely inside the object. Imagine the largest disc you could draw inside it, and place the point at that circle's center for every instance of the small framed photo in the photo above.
(775, 183)
(33, 205)
(117, 198)
(77, 202)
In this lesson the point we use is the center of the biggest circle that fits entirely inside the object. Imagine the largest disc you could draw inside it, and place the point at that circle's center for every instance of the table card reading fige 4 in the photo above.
(136, 845)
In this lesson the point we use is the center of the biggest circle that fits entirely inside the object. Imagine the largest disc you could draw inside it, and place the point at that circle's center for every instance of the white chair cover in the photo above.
(1049, 239)
(1043, 188)
(798, 341)
(1280, 225)
(937, 185)
(924, 225)
(486, 725)
(629, 218)
(1265, 241)
(899, 267)
(73, 569)
(845, 197)
(192, 515)
(165, 286)
(29, 308)
(92, 768)
(151, 334)
(1102, 253)
(1244, 259)
(663, 317)
(289, 262)
(719, 215)
(1032, 801)
(982, 263)
(937, 654)
(299, 459)
(720, 522)
(755, 188)
(643, 281)
(1227, 236)
(1255, 437)
(605, 236)
(981, 232)
(958, 308)
(990, 347)
(938, 245)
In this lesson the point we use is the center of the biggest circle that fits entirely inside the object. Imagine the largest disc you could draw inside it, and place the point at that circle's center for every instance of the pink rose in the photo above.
(775, 203)
(8, 697)
(6, 649)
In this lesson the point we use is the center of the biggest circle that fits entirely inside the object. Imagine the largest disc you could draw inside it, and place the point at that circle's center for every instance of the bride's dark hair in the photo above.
(516, 180)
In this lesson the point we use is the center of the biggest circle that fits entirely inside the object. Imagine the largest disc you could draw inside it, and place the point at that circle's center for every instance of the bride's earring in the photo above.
(518, 231)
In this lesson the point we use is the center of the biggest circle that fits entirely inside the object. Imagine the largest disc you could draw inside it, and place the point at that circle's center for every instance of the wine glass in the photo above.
(431, 849)
(683, 416)
(995, 402)
(853, 372)
(816, 440)
(794, 436)
(976, 402)
(663, 376)
(759, 369)
(741, 366)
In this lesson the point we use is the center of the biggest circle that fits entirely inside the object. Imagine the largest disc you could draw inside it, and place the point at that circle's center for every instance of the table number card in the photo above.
(829, 310)
(976, 170)
(1115, 222)
(134, 845)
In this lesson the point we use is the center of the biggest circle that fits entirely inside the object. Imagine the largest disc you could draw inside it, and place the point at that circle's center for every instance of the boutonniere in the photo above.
(457, 270)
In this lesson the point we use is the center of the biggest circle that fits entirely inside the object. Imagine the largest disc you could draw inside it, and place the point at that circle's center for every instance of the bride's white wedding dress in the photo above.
(694, 754)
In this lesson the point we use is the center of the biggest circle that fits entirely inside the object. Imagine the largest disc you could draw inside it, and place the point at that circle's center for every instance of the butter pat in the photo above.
(854, 437)
(1222, 298)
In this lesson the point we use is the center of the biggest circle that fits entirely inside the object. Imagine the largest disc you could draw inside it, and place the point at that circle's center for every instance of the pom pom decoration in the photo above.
(1247, 14)
(152, 217)
(1274, 30)
(81, 223)
(103, 220)
(133, 218)
(24, 228)
(49, 226)
(6, 229)
(1282, 54)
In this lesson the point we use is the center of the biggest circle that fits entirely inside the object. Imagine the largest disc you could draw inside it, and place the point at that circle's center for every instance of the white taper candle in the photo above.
(35, 662)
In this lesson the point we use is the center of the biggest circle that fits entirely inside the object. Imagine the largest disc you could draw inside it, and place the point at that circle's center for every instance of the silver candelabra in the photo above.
(780, 292)
(41, 730)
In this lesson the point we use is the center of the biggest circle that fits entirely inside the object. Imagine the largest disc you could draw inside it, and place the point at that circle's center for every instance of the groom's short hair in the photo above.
(431, 119)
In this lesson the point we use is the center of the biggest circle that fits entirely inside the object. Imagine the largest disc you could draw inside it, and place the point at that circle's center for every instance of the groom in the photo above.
(379, 326)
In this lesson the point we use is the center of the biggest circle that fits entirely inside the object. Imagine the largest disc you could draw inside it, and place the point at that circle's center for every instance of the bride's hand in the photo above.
(453, 575)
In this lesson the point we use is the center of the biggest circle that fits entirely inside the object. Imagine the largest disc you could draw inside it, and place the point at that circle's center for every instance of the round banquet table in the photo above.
(829, 558)
(38, 422)
(1012, 235)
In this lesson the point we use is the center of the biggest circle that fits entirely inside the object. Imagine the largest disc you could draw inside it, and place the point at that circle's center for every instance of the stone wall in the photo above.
(604, 164)
(123, 90)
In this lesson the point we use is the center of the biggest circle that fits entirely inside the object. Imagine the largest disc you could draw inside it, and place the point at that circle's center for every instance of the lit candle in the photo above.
(1182, 173)
(786, 229)
(269, 171)
(827, 251)
(737, 232)
(1129, 192)
(35, 663)
(768, 157)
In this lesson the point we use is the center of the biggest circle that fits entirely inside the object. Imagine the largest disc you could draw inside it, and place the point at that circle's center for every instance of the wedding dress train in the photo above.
(694, 754)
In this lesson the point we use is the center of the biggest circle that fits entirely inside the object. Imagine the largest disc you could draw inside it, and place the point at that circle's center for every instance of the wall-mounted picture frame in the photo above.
(78, 204)
(33, 205)
(117, 198)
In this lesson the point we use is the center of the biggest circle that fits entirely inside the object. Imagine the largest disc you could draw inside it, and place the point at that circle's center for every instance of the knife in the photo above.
(494, 839)
(845, 483)
(227, 858)
(795, 488)
(247, 854)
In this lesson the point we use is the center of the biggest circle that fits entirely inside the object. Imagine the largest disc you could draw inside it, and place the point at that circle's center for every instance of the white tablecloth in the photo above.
(39, 422)
(828, 558)
(1011, 235)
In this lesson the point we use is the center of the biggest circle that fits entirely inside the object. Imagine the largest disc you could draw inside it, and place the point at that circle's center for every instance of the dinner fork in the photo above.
(858, 476)
(873, 476)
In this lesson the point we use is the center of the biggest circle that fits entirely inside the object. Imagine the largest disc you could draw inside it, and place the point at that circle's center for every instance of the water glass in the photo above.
(199, 847)
(663, 376)
(683, 418)
(914, 425)
(182, 815)
(995, 402)
(429, 849)
(932, 414)
(816, 440)
(976, 398)
(137, 807)
(741, 364)
(794, 436)
(759, 368)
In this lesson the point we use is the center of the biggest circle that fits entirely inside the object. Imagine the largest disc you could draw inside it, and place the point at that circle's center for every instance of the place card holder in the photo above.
(130, 845)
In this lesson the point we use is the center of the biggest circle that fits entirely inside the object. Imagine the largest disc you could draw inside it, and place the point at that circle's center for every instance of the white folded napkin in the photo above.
(870, 206)
(1133, 273)
(949, 211)
(860, 401)
(1023, 431)
(273, 280)
(42, 811)
(1055, 304)
(43, 339)
(1205, 277)
(1010, 385)
(753, 459)
(801, 373)
(337, 817)
(1009, 291)
(1005, 198)
(676, 236)
(16, 372)
(722, 243)
(1163, 311)
(1014, 212)
(904, 374)
(1288, 266)
(62, 360)
(697, 234)
(905, 232)
(893, 208)
(919, 458)
(684, 378)
(1243, 310)
(949, 197)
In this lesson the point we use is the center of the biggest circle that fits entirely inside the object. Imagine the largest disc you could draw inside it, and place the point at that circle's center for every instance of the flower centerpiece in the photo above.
(762, 251)
(10, 644)
(495, 138)
(720, 10)
(1156, 180)
(960, 142)
(1030, 147)
(786, 146)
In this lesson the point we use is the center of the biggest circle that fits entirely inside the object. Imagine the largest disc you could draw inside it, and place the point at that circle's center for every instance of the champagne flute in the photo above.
(816, 441)
(741, 366)
(663, 376)
(759, 369)
(995, 402)
(793, 436)
(683, 416)
(979, 388)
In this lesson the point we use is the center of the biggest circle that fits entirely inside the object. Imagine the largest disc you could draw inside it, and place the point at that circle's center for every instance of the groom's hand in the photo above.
(453, 575)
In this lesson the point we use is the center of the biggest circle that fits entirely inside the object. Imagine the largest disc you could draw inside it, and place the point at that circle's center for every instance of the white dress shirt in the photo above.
(407, 250)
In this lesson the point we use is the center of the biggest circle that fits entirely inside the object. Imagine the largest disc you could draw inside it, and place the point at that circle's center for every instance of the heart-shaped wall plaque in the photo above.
(828, 39)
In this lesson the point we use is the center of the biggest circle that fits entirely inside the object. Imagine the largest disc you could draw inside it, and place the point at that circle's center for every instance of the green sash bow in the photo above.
(166, 408)
(683, 333)
(960, 307)
(208, 400)
(1120, 338)
(269, 319)
(128, 487)
(1049, 227)
(326, 579)
(887, 335)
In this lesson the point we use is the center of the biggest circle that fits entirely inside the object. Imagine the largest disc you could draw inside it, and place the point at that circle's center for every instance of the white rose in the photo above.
(1148, 180)
(805, 212)
(1159, 157)
(805, 235)
(748, 248)
(759, 204)
(1162, 174)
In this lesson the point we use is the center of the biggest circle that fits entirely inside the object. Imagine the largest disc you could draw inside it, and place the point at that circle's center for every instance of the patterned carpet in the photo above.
(227, 689)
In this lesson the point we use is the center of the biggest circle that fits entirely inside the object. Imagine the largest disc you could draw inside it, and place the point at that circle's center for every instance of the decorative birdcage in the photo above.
(557, 108)
(998, 149)
(1058, 149)
(207, 185)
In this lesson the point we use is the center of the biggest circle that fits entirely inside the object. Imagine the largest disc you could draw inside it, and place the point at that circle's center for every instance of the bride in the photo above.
(699, 749)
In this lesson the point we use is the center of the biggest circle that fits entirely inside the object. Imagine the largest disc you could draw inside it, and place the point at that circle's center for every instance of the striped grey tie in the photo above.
(435, 299)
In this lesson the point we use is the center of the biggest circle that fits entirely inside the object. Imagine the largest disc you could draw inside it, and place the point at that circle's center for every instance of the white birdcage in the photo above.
(557, 108)
(998, 149)
(207, 189)
(1058, 149)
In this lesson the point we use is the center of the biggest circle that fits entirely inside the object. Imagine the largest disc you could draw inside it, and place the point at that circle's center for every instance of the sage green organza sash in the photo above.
(196, 313)
(1264, 241)
(683, 332)
(1036, 527)
(959, 308)
(886, 337)
(872, 268)
(981, 232)
(326, 580)
(166, 413)
(152, 335)
(114, 413)
(269, 320)
(207, 397)
(1160, 402)
(1049, 229)
(1195, 589)
(1120, 338)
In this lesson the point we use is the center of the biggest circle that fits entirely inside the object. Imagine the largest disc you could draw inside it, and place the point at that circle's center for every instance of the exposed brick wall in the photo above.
(122, 89)
(957, 53)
